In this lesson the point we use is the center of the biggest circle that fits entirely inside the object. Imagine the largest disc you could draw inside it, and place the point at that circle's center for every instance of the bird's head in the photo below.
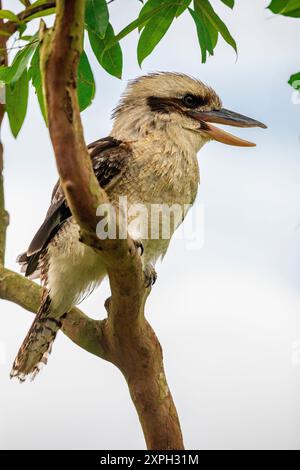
(180, 105)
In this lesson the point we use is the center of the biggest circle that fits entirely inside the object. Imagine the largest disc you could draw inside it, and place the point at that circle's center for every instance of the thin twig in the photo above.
(19, 47)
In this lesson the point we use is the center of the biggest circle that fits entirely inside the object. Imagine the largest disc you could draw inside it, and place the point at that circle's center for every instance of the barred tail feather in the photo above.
(37, 345)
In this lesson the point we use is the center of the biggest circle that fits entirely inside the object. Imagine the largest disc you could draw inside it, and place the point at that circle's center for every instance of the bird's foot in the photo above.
(149, 275)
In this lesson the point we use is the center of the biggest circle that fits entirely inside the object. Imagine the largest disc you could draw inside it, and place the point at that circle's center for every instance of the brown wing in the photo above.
(109, 157)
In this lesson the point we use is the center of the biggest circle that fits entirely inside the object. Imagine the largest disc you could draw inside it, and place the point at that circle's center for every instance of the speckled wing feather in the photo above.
(109, 157)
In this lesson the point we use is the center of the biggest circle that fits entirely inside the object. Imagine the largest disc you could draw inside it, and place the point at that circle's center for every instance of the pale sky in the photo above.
(228, 312)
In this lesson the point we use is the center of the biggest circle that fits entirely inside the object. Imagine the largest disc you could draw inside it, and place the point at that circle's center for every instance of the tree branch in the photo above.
(82, 330)
(11, 26)
(4, 219)
(128, 340)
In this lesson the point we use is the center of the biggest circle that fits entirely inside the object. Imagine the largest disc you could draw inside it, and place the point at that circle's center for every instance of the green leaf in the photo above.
(36, 77)
(148, 9)
(151, 5)
(229, 3)
(286, 8)
(207, 35)
(9, 15)
(207, 10)
(111, 59)
(16, 102)
(183, 7)
(85, 83)
(22, 28)
(213, 33)
(42, 13)
(140, 21)
(277, 5)
(203, 36)
(154, 31)
(12, 73)
(97, 17)
(24, 37)
(37, 3)
(294, 81)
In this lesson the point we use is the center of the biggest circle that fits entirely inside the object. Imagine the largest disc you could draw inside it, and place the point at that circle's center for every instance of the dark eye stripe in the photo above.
(166, 105)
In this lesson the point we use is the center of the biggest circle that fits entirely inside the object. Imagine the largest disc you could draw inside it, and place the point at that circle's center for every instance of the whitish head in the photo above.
(179, 105)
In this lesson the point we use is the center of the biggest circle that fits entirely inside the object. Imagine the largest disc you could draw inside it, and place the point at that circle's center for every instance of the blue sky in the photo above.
(228, 314)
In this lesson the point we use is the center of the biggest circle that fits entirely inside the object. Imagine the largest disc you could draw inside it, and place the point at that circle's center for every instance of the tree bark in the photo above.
(3, 214)
(129, 341)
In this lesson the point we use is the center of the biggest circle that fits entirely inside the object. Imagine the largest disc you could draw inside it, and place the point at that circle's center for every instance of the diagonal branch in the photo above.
(82, 330)
(11, 26)
(128, 340)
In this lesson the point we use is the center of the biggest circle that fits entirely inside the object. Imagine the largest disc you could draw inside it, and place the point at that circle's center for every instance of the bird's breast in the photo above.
(163, 174)
(159, 189)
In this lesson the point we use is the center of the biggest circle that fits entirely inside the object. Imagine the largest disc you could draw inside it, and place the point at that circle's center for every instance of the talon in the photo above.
(150, 276)
(139, 246)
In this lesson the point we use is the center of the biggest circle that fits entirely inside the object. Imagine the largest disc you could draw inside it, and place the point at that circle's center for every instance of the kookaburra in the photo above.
(150, 156)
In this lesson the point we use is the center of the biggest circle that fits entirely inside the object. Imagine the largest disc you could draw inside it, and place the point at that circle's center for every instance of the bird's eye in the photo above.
(190, 101)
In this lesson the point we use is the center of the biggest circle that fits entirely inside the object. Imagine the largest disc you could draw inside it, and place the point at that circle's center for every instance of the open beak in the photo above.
(226, 117)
